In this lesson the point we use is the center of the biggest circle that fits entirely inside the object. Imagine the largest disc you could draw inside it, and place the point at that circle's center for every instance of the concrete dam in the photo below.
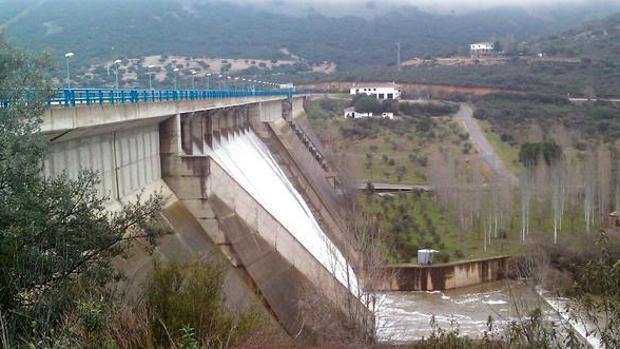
(245, 182)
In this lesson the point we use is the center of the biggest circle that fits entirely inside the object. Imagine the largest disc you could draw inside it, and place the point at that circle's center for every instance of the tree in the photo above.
(589, 184)
(55, 233)
(367, 104)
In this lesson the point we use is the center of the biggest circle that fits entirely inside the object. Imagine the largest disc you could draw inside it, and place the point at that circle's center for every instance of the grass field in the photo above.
(391, 151)
(414, 221)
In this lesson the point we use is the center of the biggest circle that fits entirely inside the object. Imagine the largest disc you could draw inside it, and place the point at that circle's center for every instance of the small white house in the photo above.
(350, 113)
(481, 49)
(379, 90)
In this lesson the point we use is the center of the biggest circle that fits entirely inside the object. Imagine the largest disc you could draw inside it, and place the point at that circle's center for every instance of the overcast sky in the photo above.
(439, 4)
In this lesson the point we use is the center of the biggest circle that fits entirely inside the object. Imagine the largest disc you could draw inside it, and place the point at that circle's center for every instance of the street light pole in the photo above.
(116, 64)
(150, 76)
(208, 76)
(193, 80)
(68, 56)
(176, 74)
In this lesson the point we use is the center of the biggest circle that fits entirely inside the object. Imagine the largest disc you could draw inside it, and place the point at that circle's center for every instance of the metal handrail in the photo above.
(91, 96)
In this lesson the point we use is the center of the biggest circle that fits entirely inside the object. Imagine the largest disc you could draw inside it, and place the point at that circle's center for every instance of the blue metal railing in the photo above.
(73, 97)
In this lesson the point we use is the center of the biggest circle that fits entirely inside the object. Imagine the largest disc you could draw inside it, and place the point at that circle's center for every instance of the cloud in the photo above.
(431, 4)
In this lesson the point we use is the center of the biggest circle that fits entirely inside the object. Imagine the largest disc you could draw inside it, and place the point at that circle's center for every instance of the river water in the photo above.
(406, 316)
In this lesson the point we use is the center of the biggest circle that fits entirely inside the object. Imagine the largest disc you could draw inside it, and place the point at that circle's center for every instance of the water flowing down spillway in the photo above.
(246, 159)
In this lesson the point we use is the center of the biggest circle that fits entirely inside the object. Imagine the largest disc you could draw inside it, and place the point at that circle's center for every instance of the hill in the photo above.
(99, 30)
(581, 61)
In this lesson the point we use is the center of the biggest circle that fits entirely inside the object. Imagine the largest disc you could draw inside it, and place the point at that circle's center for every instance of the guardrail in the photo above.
(73, 97)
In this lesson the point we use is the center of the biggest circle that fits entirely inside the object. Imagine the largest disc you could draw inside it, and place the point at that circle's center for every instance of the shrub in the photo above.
(182, 297)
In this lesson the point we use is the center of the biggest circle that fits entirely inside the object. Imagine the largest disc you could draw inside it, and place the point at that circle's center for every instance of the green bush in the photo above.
(181, 296)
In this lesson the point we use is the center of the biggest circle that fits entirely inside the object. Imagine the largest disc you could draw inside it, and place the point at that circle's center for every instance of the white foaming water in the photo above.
(246, 159)
(404, 317)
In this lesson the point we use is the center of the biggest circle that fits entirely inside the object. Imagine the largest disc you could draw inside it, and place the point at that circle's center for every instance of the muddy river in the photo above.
(406, 316)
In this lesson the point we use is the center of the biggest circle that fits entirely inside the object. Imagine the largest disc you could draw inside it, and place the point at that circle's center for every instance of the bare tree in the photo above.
(617, 182)
(604, 169)
(557, 197)
(525, 188)
(589, 184)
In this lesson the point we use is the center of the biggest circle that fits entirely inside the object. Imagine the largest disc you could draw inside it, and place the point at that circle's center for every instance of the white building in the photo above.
(350, 113)
(481, 49)
(379, 90)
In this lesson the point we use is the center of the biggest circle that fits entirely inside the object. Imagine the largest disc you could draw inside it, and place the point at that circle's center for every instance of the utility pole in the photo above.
(398, 55)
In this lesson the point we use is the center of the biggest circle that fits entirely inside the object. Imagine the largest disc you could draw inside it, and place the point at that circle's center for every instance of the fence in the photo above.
(73, 97)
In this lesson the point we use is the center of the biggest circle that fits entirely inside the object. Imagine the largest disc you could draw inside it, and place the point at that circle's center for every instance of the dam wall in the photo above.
(227, 198)
(287, 274)
(126, 160)
(439, 277)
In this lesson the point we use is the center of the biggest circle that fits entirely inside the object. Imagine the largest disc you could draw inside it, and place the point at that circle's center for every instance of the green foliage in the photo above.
(531, 153)
(185, 303)
(597, 292)
(411, 222)
(367, 104)
(427, 109)
(509, 113)
(56, 237)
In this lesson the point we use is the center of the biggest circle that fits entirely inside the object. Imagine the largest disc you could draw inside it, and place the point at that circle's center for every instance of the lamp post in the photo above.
(193, 80)
(68, 56)
(208, 77)
(176, 74)
(150, 76)
(116, 64)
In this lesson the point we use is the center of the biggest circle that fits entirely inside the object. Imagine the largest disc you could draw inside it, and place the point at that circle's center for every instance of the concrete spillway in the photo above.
(246, 159)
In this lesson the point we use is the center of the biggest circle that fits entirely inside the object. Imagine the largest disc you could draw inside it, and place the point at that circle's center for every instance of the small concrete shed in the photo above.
(425, 257)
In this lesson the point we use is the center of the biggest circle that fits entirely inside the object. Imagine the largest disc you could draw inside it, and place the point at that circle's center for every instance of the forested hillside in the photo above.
(593, 69)
(100, 30)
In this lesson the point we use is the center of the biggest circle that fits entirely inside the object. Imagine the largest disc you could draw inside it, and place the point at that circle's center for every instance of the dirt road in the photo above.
(478, 138)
